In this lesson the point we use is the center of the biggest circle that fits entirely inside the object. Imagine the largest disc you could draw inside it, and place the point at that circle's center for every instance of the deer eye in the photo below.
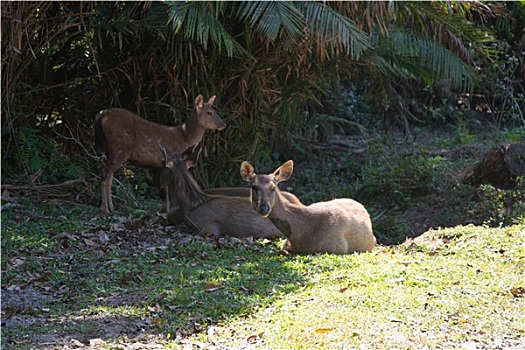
(209, 113)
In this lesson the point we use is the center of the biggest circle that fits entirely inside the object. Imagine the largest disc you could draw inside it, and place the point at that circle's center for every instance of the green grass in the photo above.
(443, 290)
(432, 294)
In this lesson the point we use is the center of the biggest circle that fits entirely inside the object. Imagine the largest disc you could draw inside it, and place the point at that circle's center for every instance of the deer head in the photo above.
(189, 157)
(206, 115)
(264, 190)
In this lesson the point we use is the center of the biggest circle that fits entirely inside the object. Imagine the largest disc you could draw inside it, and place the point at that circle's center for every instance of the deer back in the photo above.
(230, 216)
(246, 192)
(339, 226)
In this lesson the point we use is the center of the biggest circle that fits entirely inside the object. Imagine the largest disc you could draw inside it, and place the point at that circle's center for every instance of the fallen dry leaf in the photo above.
(196, 317)
(323, 330)
(89, 242)
(518, 292)
(211, 287)
(252, 339)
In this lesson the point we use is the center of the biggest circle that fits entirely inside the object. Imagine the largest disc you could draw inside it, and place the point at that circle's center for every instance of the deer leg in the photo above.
(107, 203)
(168, 204)
(109, 198)
(107, 180)
(104, 205)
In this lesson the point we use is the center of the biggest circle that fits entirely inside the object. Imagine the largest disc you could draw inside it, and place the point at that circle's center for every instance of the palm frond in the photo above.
(332, 29)
(409, 55)
(449, 24)
(199, 22)
(269, 16)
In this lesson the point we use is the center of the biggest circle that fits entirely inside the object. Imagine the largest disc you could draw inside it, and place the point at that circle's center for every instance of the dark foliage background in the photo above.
(282, 72)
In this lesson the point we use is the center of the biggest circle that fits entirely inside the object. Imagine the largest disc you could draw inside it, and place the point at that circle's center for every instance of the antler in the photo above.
(163, 151)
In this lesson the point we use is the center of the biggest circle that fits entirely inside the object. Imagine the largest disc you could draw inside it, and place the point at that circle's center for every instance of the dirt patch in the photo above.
(17, 300)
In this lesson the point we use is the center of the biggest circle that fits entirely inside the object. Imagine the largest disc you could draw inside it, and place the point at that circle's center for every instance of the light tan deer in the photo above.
(215, 214)
(339, 226)
(125, 136)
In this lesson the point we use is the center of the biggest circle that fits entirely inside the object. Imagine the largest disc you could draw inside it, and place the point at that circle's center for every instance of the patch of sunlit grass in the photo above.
(448, 288)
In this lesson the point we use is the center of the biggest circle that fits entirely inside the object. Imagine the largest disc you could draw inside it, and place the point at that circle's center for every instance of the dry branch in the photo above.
(70, 189)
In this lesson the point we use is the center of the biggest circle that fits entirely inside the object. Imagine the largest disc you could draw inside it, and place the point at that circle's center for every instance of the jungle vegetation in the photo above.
(276, 68)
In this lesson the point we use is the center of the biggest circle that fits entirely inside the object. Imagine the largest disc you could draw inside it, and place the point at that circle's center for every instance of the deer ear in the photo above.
(190, 156)
(247, 171)
(191, 162)
(169, 164)
(211, 100)
(188, 152)
(284, 172)
(198, 101)
(191, 159)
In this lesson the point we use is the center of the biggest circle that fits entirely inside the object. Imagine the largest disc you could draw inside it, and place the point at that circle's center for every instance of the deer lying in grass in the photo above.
(215, 214)
(125, 136)
(339, 226)
(174, 210)
(246, 192)
(175, 215)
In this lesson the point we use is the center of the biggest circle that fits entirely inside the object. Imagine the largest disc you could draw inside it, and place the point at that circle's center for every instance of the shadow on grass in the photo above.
(147, 282)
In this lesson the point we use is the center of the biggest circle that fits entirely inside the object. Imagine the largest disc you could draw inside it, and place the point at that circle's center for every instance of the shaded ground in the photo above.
(22, 304)
(27, 303)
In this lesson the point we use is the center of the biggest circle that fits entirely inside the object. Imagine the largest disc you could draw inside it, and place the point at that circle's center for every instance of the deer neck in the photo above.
(187, 191)
(284, 215)
(191, 132)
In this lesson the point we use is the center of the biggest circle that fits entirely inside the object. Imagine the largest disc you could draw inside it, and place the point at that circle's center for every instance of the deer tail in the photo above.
(100, 138)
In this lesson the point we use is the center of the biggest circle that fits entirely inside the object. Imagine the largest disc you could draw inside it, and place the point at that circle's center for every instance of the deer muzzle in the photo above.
(264, 209)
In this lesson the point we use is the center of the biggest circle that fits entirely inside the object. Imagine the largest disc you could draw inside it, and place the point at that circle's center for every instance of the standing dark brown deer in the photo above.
(215, 214)
(125, 136)
(339, 226)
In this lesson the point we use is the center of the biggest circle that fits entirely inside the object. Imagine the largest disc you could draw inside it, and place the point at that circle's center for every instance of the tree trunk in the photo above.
(500, 165)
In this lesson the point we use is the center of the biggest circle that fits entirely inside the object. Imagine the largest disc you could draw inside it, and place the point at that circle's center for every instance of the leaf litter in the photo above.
(25, 303)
